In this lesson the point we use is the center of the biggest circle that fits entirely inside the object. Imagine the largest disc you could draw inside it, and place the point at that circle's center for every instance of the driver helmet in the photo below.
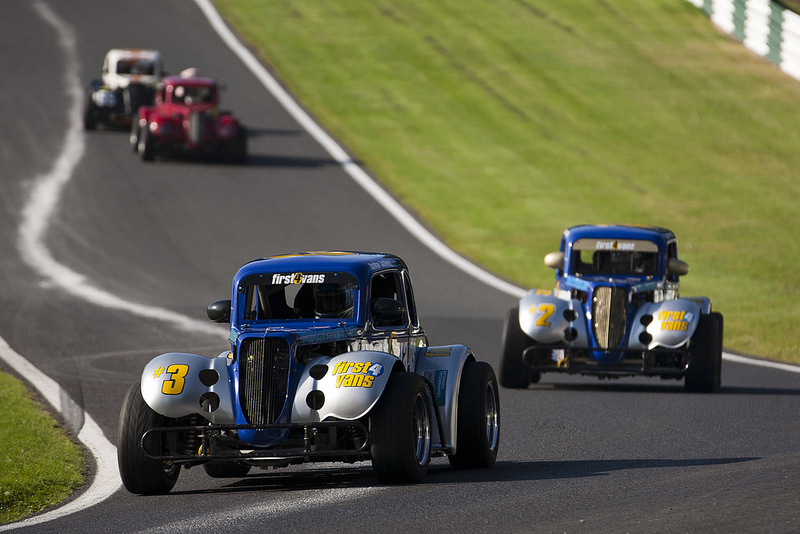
(333, 300)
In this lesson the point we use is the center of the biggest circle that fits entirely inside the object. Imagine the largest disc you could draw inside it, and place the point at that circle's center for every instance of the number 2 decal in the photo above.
(547, 311)
(174, 386)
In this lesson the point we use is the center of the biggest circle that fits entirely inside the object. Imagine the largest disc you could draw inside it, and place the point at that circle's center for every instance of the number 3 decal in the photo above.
(547, 311)
(174, 386)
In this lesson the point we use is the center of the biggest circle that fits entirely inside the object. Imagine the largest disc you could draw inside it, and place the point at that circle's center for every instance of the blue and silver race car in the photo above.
(615, 311)
(327, 363)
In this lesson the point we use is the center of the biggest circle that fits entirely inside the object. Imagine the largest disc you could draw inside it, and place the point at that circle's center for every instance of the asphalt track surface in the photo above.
(577, 454)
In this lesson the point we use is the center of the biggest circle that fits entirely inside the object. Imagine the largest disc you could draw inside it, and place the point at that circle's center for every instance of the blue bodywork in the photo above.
(303, 373)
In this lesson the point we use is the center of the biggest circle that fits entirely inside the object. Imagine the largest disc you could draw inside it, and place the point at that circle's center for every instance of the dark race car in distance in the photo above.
(615, 311)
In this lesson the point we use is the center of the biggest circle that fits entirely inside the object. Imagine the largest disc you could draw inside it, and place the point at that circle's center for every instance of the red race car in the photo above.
(186, 120)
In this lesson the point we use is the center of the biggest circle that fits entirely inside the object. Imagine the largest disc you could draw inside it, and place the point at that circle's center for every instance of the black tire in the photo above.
(478, 430)
(513, 372)
(226, 469)
(140, 474)
(135, 134)
(401, 430)
(238, 154)
(147, 144)
(704, 374)
(89, 119)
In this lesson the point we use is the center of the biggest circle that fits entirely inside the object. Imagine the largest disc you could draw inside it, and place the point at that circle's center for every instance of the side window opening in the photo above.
(387, 285)
(410, 304)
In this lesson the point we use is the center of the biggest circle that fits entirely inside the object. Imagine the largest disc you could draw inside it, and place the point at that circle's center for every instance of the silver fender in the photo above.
(176, 384)
(670, 323)
(546, 319)
(351, 385)
(443, 366)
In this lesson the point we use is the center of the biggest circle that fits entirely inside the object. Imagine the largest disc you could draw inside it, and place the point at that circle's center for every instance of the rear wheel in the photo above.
(141, 474)
(478, 427)
(238, 151)
(513, 372)
(401, 429)
(705, 368)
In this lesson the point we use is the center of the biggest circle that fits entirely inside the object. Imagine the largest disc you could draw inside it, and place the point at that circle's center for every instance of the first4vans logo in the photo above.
(297, 278)
(356, 375)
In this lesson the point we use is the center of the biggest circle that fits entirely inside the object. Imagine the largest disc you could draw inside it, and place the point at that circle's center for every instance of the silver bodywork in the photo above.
(178, 385)
(549, 320)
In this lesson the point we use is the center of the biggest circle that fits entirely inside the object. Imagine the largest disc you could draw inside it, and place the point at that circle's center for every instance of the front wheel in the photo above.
(134, 137)
(513, 372)
(478, 418)
(89, 118)
(147, 144)
(141, 474)
(704, 374)
(401, 429)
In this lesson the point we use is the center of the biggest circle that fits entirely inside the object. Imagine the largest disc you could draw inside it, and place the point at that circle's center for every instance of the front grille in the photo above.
(263, 379)
(197, 125)
(609, 309)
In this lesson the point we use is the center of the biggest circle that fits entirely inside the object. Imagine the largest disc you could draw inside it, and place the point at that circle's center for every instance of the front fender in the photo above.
(345, 387)
(442, 366)
(550, 320)
(178, 384)
(667, 324)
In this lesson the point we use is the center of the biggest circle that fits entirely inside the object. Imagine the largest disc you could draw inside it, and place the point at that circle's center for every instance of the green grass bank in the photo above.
(39, 465)
(502, 122)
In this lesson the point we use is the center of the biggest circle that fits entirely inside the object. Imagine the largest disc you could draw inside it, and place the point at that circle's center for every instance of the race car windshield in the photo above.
(615, 263)
(135, 67)
(298, 296)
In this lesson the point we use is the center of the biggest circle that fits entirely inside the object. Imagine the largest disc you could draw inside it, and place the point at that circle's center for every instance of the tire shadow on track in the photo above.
(640, 388)
(508, 471)
(442, 473)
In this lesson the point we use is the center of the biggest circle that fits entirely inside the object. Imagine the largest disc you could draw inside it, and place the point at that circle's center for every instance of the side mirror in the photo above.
(219, 311)
(555, 260)
(387, 312)
(676, 267)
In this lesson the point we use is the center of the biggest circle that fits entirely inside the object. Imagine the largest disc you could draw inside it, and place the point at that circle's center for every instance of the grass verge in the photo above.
(39, 465)
(501, 123)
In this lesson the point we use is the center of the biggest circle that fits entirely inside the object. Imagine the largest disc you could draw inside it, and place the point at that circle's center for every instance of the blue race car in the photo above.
(327, 362)
(615, 311)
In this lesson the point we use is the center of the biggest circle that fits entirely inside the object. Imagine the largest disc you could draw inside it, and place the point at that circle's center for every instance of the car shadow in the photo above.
(510, 471)
(678, 388)
(442, 473)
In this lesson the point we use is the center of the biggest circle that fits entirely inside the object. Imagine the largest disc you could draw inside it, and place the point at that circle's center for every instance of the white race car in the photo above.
(129, 79)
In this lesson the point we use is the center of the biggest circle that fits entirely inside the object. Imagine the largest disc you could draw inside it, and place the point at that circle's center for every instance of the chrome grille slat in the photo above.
(263, 379)
(609, 310)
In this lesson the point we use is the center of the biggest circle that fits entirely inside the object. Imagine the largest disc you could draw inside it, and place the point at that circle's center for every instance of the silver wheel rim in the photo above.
(492, 412)
(421, 429)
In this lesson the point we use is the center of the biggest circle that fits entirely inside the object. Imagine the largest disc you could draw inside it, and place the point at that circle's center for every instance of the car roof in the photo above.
(656, 234)
(196, 81)
(360, 264)
(133, 52)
